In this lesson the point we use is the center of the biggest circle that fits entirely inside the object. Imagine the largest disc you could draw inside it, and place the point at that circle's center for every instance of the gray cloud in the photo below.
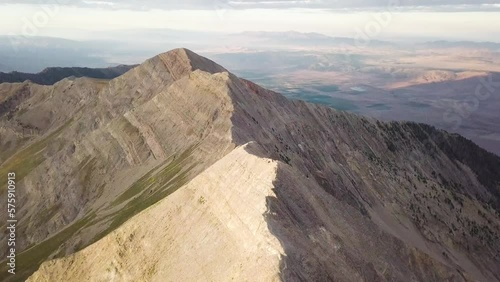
(452, 5)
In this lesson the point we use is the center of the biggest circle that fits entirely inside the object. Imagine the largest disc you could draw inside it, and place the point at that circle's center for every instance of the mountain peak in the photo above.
(187, 60)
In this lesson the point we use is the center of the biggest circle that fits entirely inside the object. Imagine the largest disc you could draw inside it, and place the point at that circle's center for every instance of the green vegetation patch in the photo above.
(156, 178)
(9, 149)
(154, 186)
(145, 192)
(417, 105)
(23, 162)
(379, 106)
(326, 88)
(330, 101)
(31, 259)
(86, 169)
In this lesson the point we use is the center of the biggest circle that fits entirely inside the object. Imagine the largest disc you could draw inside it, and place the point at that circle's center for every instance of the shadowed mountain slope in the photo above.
(179, 170)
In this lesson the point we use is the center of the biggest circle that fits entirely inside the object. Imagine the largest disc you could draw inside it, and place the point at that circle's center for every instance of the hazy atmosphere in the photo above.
(274, 140)
(144, 28)
(454, 20)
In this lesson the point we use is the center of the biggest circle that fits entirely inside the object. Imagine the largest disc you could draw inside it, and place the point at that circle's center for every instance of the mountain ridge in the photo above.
(339, 193)
(49, 76)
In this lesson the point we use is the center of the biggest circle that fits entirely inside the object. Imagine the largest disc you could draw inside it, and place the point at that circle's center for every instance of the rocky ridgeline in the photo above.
(50, 76)
(179, 170)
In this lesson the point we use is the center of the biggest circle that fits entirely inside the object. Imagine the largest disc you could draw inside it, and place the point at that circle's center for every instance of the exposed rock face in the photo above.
(179, 170)
(227, 237)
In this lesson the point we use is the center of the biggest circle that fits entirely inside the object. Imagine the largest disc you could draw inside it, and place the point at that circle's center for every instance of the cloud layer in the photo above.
(452, 5)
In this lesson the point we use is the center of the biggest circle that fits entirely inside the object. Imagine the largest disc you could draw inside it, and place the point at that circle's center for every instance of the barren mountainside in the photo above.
(178, 170)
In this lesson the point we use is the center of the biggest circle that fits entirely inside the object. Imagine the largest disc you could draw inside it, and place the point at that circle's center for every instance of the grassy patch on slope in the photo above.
(154, 186)
(24, 161)
(29, 261)
(157, 184)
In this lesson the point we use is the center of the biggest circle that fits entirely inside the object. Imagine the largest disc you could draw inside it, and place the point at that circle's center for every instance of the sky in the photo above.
(381, 19)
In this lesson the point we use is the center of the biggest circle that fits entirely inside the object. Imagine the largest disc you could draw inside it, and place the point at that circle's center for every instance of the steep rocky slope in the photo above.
(179, 170)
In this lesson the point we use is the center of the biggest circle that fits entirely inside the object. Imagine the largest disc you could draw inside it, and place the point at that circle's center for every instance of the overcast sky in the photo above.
(80, 19)
(244, 4)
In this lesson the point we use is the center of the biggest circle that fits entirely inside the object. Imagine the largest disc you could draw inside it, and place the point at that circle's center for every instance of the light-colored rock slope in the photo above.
(212, 229)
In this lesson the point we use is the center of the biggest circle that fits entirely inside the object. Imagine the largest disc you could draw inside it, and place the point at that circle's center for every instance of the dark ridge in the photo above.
(50, 76)
(484, 164)
(8, 106)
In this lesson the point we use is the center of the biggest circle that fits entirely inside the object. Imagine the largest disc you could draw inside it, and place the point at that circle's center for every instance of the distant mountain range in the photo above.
(32, 54)
(462, 44)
